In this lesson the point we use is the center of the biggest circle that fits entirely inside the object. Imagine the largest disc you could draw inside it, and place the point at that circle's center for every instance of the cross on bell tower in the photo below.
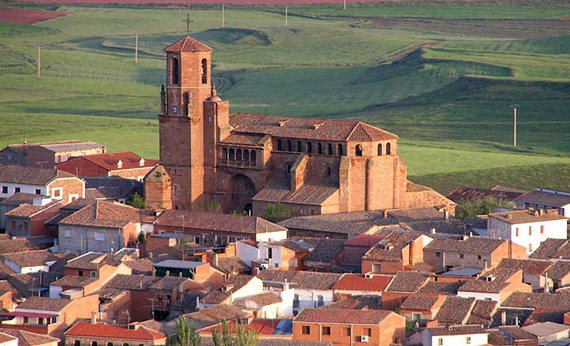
(187, 21)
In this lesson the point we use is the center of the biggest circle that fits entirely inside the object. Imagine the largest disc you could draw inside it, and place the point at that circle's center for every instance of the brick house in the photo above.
(528, 228)
(355, 248)
(48, 154)
(349, 327)
(401, 287)
(361, 284)
(474, 252)
(100, 227)
(29, 261)
(13, 202)
(559, 273)
(497, 284)
(338, 226)
(28, 220)
(124, 164)
(421, 309)
(85, 333)
(40, 181)
(395, 252)
(50, 316)
(215, 229)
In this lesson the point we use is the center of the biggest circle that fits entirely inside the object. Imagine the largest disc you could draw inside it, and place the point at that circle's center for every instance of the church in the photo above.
(245, 161)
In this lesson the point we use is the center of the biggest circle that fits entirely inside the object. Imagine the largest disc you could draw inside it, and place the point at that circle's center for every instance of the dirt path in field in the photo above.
(18, 16)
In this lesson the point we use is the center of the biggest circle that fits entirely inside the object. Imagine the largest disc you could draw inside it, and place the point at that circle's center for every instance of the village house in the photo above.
(52, 183)
(325, 257)
(547, 332)
(48, 154)
(263, 255)
(124, 164)
(89, 334)
(496, 284)
(559, 275)
(268, 305)
(544, 199)
(15, 201)
(50, 316)
(472, 252)
(329, 225)
(312, 289)
(210, 317)
(100, 227)
(235, 288)
(454, 336)
(403, 285)
(552, 249)
(217, 229)
(395, 252)
(349, 327)
(360, 284)
(421, 309)
(29, 261)
(355, 248)
(528, 228)
(28, 220)
(525, 308)
(535, 273)
(511, 335)
(25, 338)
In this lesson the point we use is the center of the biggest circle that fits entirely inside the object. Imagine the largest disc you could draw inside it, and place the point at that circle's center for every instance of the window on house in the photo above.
(367, 331)
(358, 150)
(478, 257)
(279, 144)
(94, 343)
(320, 300)
(319, 148)
(4, 189)
(461, 255)
(309, 147)
(306, 330)
(299, 146)
(80, 273)
(340, 150)
(17, 189)
(26, 320)
(77, 343)
(388, 148)
(175, 75)
(296, 301)
(438, 254)
(380, 149)
(93, 274)
(269, 253)
(100, 236)
(56, 193)
(40, 320)
(204, 71)
(67, 233)
(440, 341)
(109, 344)
(468, 340)
(38, 192)
(541, 229)
(329, 172)
(329, 149)
(376, 268)
(516, 232)
(289, 146)
(25, 226)
(14, 225)
(326, 330)
(529, 230)
(347, 331)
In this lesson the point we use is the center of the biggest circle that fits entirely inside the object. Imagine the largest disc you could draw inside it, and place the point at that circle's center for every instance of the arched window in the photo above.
(246, 155)
(224, 154)
(299, 146)
(309, 147)
(204, 71)
(289, 146)
(329, 172)
(77, 343)
(94, 343)
(253, 156)
(380, 149)
(232, 154)
(175, 73)
(279, 145)
(238, 155)
(358, 150)
(339, 150)
(319, 148)
(388, 148)
(329, 149)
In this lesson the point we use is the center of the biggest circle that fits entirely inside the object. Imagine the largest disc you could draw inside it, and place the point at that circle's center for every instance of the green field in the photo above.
(440, 75)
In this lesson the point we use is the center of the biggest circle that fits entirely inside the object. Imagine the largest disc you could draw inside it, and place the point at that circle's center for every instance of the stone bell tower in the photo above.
(181, 122)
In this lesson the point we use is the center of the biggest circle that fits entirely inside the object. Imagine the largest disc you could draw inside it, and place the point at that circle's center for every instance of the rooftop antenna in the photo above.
(514, 107)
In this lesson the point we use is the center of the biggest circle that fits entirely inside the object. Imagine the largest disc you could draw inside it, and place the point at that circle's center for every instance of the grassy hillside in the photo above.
(440, 75)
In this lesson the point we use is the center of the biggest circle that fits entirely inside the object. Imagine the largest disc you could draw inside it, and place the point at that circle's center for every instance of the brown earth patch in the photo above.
(18, 16)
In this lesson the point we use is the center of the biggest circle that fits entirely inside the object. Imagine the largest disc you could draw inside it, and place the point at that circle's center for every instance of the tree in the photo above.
(186, 334)
(212, 207)
(483, 206)
(137, 201)
(224, 336)
(277, 212)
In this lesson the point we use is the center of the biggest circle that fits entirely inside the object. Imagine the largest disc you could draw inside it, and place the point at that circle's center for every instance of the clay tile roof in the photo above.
(364, 240)
(559, 270)
(307, 128)
(416, 214)
(43, 303)
(496, 338)
(517, 333)
(30, 258)
(187, 44)
(525, 216)
(74, 281)
(212, 315)
(547, 307)
(483, 312)
(309, 194)
(140, 266)
(28, 210)
(232, 264)
(243, 139)
(325, 250)
(342, 316)
(407, 282)
(359, 302)
(15, 245)
(103, 214)
(233, 284)
(443, 288)
(19, 198)
(473, 245)
(26, 338)
(418, 303)
(549, 248)
(300, 279)
(325, 225)
(456, 330)
(216, 222)
(169, 283)
(493, 281)
(545, 198)
(359, 282)
(262, 299)
(109, 161)
(101, 330)
(454, 310)
(132, 282)
(30, 175)
(529, 267)
(463, 194)
(390, 247)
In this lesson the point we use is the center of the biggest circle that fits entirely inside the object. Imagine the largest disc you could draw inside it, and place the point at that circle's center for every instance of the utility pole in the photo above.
(514, 108)
(39, 62)
(344, 5)
(285, 15)
(223, 16)
(136, 48)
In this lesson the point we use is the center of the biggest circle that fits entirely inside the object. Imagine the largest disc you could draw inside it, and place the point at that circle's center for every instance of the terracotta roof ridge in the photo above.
(356, 125)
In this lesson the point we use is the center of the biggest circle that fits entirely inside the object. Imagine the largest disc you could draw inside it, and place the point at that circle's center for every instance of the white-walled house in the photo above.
(234, 289)
(266, 255)
(269, 305)
(29, 261)
(468, 335)
(527, 228)
(312, 289)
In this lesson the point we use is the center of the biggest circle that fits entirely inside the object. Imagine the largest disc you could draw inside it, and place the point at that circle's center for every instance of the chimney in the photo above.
(446, 214)
(167, 273)
(285, 285)
(180, 289)
(433, 231)
(216, 262)
(485, 264)
(93, 317)
(503, 318)
(180, 274)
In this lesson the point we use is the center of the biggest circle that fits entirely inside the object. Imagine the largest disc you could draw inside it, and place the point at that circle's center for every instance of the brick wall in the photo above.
(71, 187)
